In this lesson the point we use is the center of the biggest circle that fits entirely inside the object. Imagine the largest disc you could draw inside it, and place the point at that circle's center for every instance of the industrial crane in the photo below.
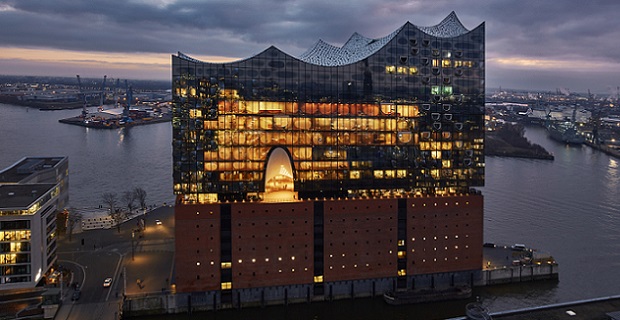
(84, 111)
(101, 95)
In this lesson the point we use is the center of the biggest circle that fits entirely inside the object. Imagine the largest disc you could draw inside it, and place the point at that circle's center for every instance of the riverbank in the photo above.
(114, 123)
(597, 308)
(41, 105)
(508, 140)
(607, 150)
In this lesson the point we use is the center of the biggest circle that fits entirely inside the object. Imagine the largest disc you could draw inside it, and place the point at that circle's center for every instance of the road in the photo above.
(138, 263)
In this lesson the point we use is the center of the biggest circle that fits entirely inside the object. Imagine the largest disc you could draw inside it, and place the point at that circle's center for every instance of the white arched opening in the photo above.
(279, 184)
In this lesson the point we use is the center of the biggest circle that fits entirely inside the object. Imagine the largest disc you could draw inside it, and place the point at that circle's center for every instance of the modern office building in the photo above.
(31, 192)
(346, 171)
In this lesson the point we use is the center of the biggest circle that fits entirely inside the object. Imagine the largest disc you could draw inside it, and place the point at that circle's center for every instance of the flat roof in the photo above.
(22, 195)
(26, 167)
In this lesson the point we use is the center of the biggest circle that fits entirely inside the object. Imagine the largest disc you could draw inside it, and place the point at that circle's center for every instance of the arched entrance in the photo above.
(279, 183)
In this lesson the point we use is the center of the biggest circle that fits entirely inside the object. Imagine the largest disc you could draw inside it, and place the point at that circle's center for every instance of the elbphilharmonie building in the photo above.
(345, 171)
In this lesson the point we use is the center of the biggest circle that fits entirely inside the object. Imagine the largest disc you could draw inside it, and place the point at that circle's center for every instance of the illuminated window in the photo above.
(447, 90)
(378, 174)
(446, 63)
(390, 69)
(402, 254)
(355, 174)
(226, 285)
(226, 265)
(402, 272)
(436, 62)
(435, 90)
(413, 70)
(318, 279)
(401, 242)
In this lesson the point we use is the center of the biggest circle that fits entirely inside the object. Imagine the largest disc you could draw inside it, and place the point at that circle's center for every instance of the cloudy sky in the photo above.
(531, 44)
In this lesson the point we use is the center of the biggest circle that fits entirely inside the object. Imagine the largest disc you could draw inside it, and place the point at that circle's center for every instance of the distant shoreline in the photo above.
(44, 106)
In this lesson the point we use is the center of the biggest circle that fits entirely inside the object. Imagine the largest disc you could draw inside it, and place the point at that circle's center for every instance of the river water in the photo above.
(100, 160)
(569, 207)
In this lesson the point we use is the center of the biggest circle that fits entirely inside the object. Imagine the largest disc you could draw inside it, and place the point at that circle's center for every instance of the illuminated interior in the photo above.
(390, 124)
(279, 184)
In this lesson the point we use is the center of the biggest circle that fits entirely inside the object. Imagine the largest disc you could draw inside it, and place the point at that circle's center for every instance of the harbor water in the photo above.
(569, 207)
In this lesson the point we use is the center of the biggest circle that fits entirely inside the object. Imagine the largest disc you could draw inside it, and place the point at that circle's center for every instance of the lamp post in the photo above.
(133, 233)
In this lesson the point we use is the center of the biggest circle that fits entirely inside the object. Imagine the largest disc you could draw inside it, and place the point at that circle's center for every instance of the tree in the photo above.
(129, 199)
(62, 221)
(140, 196)
(111, 200)
(73, 219)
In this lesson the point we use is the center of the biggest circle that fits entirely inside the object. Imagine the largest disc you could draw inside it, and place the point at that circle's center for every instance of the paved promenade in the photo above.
(140, 263)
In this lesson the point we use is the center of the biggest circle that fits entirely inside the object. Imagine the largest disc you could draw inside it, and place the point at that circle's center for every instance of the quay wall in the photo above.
(170, 303)
(522, 273)
(181, 302)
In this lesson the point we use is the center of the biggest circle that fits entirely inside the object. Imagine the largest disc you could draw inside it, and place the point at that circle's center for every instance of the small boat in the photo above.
(426, 295)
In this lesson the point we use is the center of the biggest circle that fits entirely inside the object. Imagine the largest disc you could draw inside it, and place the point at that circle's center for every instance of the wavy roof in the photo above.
(359, 47)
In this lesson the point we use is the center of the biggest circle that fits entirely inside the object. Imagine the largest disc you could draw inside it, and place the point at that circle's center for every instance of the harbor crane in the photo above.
(102, 94)
(84, 111)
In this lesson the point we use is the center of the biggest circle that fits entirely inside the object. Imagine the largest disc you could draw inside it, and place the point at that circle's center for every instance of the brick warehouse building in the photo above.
(347, 171)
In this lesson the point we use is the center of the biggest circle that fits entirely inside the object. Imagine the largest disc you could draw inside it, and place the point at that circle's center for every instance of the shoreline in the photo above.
(78, 121)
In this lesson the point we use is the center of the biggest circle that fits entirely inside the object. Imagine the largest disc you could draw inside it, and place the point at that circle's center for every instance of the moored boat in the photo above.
(565, 132)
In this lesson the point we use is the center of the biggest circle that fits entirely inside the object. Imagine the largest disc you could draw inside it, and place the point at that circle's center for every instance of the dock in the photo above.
(603, 308)
(113, 124)
(504, 264)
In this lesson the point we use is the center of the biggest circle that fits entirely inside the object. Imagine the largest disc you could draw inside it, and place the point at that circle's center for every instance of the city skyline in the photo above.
(530, 45)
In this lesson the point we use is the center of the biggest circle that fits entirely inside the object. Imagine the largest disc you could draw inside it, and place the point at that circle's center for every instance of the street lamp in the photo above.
(133, 233)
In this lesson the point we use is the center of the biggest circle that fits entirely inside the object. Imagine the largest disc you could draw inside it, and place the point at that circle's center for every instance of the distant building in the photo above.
(31, 192)
(344, 172)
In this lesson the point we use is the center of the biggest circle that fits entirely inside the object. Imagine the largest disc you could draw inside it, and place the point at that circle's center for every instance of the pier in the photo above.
(505, 264)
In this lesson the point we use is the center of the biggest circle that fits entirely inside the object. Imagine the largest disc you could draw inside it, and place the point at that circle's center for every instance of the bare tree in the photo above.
(73, 219)
(140, 196)
(111, 200)
(129, 199)
(118, 216)
(62, 221)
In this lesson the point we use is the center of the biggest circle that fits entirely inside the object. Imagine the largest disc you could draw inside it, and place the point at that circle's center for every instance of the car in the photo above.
(107, 282)
(76, 295)
(158, 222)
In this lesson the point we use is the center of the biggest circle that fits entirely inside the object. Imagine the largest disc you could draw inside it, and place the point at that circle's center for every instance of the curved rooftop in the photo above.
(359, 47)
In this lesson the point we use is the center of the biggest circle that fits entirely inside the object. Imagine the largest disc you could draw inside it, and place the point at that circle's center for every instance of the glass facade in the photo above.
(397, 116)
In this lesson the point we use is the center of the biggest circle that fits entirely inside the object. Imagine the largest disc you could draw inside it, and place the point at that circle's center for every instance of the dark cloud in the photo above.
(527, 29)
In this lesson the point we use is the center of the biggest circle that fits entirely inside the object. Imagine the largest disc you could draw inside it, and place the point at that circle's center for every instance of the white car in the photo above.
(107, 282)
(158, 222)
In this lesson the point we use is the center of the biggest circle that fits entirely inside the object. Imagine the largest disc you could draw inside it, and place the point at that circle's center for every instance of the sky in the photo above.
(530, 44)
